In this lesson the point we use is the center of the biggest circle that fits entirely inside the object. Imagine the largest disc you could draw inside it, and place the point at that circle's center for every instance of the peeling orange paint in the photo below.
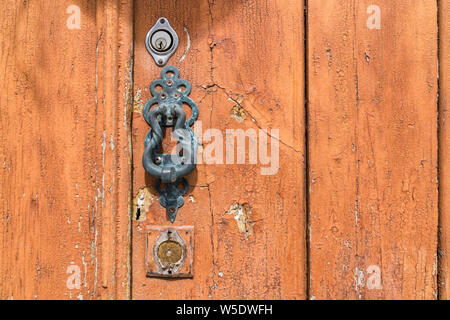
(241, 213)
(142, 203)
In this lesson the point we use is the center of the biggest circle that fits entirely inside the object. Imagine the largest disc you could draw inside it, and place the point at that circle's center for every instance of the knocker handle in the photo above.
(165, 109)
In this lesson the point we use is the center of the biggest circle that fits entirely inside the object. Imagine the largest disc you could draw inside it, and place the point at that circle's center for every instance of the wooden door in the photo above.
(350, 95)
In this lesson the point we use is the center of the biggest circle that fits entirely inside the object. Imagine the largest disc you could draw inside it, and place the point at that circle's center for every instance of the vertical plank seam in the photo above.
(130, 143)
(306, 150)
(438, 102)
(126, 34)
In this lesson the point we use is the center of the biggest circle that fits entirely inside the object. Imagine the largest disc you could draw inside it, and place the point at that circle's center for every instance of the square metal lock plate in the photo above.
(169, 251)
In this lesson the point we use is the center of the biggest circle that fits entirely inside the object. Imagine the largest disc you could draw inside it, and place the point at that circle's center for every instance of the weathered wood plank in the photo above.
(114, 98)
(245, 62)
(65, 178)
(373, 149)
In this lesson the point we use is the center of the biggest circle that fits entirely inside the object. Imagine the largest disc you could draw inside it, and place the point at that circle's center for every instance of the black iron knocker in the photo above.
(165, 109)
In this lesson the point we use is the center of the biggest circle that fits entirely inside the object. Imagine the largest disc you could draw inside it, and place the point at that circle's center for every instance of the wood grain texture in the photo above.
(245, 63)
(444, 150)
(64, 149)
(372, 149)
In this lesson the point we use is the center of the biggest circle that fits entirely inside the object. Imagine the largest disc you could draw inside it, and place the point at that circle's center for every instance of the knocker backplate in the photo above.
(169, 90)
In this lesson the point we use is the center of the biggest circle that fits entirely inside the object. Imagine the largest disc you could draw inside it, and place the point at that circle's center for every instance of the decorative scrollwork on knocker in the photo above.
(165, 109)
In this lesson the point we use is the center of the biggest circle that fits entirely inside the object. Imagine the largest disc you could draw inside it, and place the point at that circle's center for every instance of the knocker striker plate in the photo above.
(165, 109)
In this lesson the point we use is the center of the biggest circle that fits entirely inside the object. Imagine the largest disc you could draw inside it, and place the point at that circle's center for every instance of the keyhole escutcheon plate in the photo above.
(161, 41)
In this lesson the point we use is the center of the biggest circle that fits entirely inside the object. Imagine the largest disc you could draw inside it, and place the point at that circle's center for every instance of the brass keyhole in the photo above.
(170, 252)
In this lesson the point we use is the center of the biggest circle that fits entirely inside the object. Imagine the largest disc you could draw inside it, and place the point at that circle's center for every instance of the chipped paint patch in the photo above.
(128, 95)
(138, 104)
(141, 204)
(238, 113)
(200, 150)
(359, 279)
(241, 213)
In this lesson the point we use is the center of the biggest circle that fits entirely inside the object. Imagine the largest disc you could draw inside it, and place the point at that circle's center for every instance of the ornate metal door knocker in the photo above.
(165, 109)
